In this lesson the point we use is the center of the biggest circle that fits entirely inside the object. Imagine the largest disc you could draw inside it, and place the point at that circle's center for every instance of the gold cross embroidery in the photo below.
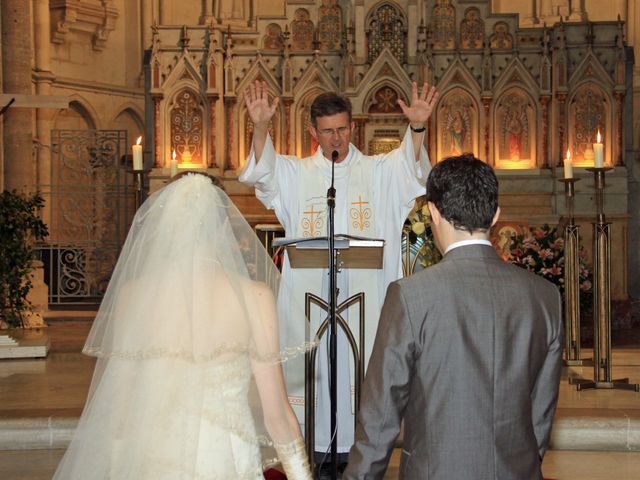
(311, 224)
(360, 215)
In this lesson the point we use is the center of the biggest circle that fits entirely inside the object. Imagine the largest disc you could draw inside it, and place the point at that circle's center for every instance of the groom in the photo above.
(468, 352)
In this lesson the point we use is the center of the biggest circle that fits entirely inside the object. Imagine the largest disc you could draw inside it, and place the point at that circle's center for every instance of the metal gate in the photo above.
(90, 203)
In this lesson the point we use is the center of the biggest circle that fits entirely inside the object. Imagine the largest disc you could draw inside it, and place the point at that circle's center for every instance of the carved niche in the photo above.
(186, 114)
(471, 29)
(386, 27)
(589, 111)
(514, 130)
(457, 124)
(273, 38)
(302, 30)
(501, 37)
(444, 25)
(330, 25)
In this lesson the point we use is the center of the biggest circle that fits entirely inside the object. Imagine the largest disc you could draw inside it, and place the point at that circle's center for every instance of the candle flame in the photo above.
(139, 140)
(568, 154)
(598, 137)
(173, 155)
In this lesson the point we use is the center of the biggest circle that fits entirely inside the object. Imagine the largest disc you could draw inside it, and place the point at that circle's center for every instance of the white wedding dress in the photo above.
(189, 350)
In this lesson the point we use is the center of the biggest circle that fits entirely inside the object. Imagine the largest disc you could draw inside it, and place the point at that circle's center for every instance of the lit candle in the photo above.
(598, 150)
(568, 165)
(174, 165)
(137, 155)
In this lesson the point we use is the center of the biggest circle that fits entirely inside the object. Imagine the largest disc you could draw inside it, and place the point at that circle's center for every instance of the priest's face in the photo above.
(333, 132)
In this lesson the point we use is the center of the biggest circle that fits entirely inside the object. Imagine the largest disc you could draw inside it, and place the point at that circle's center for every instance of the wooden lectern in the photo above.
(351, 252)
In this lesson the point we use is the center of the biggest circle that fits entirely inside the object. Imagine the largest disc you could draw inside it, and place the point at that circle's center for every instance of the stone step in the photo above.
(592, 429)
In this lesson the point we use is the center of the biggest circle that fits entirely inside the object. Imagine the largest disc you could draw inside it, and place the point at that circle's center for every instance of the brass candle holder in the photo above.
(571, 281)
(602, 299)
(138, 176)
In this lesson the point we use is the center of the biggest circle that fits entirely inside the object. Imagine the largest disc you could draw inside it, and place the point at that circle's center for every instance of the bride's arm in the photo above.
(279, 418)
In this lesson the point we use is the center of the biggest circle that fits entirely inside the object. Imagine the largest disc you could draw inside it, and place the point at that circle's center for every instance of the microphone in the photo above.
(331, 193)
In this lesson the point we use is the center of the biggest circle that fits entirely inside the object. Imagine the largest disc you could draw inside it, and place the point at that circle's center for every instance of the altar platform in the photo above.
(596, 434)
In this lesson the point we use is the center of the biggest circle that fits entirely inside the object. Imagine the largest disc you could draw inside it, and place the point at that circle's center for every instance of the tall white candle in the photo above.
(137, 155)
(598, 150)
(174, 165)
(568, 165)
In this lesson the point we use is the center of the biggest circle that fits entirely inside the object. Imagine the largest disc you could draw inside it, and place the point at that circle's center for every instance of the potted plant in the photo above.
(20, 228)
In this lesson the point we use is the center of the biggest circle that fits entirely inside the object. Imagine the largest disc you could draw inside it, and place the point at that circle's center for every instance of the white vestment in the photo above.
(396, 179)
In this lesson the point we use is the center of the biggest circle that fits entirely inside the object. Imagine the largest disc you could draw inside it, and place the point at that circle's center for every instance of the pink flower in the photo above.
(558, 243)
(539, 233)
(586, 285)
(545, 253)
(517, 252)
(555, 270)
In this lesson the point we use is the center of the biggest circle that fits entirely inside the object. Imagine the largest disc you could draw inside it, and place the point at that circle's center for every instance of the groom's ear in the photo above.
(495, 217)
(435, 213)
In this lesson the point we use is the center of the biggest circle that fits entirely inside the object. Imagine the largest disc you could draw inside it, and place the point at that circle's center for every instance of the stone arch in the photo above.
(306, 143)
(79, 116)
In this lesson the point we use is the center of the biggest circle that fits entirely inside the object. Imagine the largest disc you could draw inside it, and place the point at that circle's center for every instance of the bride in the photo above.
(189, 382)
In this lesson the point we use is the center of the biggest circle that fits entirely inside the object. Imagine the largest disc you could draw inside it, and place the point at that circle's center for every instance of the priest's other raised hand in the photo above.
(256, 98)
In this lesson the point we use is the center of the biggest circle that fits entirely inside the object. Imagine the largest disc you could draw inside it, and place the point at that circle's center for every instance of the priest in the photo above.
(374, 195)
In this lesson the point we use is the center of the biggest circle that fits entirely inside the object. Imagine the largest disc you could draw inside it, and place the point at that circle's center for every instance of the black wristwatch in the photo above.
(417, 130)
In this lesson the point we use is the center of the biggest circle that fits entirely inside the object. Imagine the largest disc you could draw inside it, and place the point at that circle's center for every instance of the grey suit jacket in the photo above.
(468, 352)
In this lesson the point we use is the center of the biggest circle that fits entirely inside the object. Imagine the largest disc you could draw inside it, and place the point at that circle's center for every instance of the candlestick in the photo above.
(137, 155)
(598, 150)
(602, 355)
(568, 165)
(173, 165)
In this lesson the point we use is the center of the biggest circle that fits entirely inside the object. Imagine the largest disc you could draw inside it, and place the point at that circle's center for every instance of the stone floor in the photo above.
(40, 401)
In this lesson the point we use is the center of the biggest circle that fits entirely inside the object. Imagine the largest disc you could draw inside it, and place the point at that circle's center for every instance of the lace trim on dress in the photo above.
(154, 353)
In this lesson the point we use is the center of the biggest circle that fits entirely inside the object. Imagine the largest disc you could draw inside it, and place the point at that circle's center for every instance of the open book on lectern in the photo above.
(352, 251)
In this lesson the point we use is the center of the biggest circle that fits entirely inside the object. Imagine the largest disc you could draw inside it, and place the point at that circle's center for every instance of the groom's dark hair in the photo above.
(465, 192)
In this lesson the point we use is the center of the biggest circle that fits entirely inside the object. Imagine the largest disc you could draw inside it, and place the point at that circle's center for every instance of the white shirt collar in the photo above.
(463, 243)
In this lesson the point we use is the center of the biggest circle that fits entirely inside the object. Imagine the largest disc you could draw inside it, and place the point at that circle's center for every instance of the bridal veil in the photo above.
(186, 332)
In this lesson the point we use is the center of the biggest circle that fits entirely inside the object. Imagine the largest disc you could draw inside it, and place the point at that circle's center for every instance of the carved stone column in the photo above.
(544, 134)
(213, 100)
(287, 125)
(44, 78)
(359, 136)
(617, 155)
(561, 130)
(159, 163)
(18, 158)
(146, 12)
(230, 161)
(486, 104)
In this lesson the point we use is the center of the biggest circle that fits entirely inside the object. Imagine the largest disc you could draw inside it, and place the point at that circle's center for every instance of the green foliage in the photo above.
(20, 227)
(541, 251)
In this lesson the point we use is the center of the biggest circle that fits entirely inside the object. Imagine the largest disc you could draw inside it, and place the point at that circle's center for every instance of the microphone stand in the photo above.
(333, 343)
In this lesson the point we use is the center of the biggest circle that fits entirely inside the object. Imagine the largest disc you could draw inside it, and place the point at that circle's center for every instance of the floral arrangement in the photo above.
(541, 250)
(418, 227)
